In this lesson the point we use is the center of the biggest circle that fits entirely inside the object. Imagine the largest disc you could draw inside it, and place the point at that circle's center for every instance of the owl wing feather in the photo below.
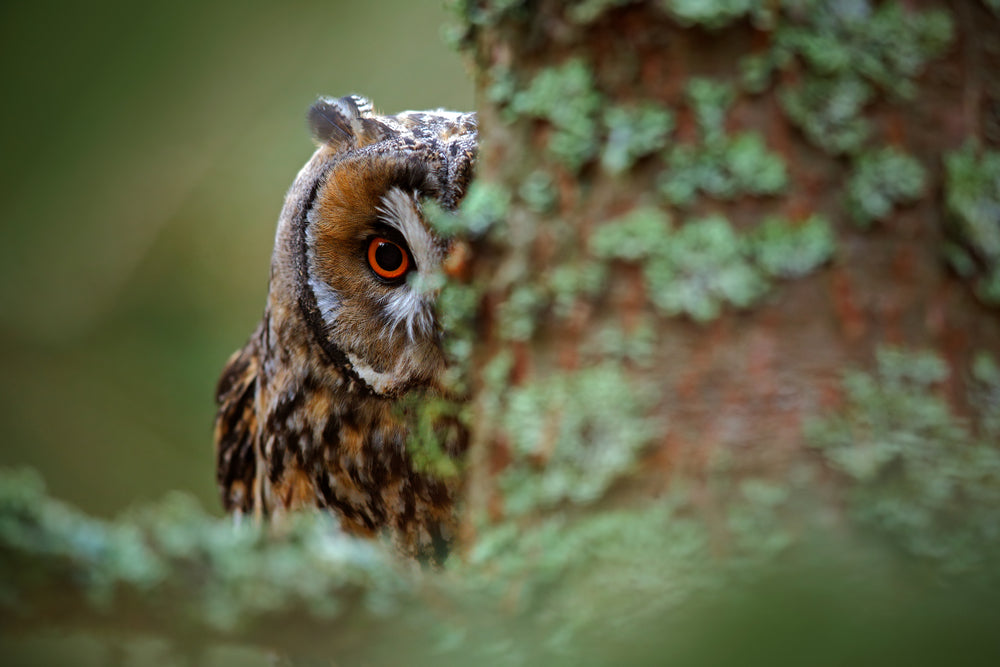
(237, 429)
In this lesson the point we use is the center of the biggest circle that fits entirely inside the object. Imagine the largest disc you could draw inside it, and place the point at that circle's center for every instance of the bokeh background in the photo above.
(145, 151)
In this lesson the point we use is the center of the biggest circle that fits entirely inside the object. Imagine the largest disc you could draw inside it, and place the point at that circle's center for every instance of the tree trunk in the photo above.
(702, 217)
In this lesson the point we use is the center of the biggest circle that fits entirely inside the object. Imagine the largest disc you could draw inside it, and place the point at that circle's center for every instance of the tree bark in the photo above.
(857, 109)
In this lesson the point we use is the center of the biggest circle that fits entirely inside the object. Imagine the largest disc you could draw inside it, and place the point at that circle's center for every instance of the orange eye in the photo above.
(388, 260)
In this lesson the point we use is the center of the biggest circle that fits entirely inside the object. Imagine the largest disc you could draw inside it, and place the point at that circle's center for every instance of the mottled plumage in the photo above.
(309, 410)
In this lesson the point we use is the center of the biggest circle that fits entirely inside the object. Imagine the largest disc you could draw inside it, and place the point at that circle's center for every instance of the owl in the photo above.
(313, 410)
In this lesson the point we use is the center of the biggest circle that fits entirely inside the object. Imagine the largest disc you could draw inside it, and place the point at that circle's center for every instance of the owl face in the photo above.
(367, 247)
(360, 246)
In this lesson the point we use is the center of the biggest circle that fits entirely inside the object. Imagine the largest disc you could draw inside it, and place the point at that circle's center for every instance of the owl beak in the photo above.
(457, 262)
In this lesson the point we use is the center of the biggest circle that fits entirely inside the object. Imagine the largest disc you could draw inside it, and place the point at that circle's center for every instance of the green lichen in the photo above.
(847, 50)
(919, 475)
(735, 166)
(699, 267)
(829, 111)
(710, 100)
(567, 98)
(222, 574)
(472, 15)
(484, 206)
(477, 14)
(585, 12)
(502, 86)
(556, 292)
(786, 250)
(882, 180)
(688, 172)
(719, 165)
(755, 522)
(634, 132)
(457, 304)
(637, 346)
(712, 14)
(886, 44)
(107, 558)
(538, 191)
(496, 371)
(703, 267)
(985, 393)
(572, 281)
(757, 69)
(641, 561)
(437, 425)
(519, 313)
(572, 435)
(752, 168)
(972, 200)
(640, 233)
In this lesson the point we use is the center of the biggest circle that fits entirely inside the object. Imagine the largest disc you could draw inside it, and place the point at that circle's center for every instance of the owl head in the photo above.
(354, 254)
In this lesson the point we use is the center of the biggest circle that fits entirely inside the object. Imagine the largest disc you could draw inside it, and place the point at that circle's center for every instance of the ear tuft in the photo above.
(344, 122)
(332, 121)
(363, 105)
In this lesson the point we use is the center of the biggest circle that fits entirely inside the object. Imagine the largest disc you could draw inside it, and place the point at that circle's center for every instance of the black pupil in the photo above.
(389, 256)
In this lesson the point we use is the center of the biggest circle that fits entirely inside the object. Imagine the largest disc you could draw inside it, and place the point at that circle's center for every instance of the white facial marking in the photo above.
(406, 305)
(327, 301)
(401, 210)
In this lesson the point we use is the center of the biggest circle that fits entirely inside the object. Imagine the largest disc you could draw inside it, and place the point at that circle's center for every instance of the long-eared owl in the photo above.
(309, 411)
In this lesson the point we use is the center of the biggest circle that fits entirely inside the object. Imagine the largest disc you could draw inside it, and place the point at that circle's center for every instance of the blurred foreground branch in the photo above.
(649, 585)
(170, 569)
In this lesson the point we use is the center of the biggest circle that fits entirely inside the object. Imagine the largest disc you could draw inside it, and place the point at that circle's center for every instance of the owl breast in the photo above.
(315, 411)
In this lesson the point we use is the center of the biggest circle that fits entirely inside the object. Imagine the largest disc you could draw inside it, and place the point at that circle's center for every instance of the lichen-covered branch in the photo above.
(172, 570)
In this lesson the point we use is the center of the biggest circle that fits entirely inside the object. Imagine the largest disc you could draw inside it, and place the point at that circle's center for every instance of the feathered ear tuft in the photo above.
(345, 123)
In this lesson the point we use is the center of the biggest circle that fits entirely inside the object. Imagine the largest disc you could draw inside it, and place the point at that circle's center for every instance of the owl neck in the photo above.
(295, 354)
(328, 442)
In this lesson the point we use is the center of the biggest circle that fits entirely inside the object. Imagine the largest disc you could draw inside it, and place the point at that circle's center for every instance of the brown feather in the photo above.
(236, 428)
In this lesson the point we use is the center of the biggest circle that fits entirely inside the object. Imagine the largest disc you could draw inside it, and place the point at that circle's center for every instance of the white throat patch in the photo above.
(380, 383)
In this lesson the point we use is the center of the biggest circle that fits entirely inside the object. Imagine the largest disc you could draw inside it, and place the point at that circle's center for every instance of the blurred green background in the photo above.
(146, 149)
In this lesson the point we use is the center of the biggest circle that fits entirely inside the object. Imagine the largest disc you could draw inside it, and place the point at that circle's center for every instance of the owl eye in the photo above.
(388, 259)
